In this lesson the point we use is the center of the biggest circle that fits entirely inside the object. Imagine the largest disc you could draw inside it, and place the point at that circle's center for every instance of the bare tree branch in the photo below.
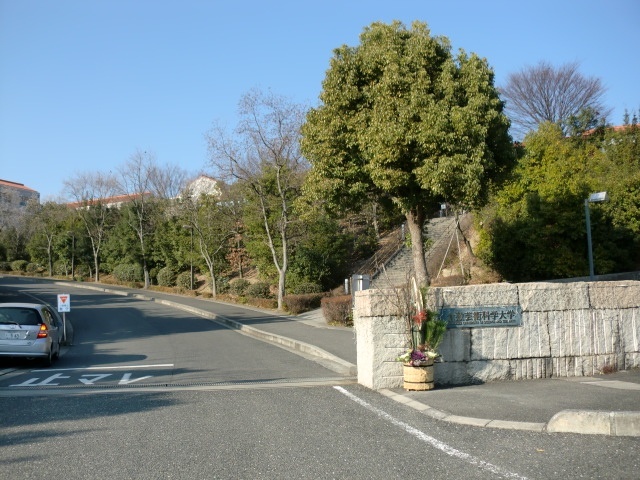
(543, 93)
(266, 146)
(92, 192)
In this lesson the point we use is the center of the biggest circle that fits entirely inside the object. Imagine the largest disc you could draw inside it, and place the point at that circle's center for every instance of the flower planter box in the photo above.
(418, 378)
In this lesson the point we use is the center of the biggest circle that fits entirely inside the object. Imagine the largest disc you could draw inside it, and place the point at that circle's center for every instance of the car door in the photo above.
(55, 329)
(61, 326)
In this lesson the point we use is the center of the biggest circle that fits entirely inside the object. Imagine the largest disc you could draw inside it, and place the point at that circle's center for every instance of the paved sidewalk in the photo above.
(606, 404)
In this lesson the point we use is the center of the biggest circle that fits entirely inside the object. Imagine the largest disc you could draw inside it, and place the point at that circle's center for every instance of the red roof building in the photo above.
(16, 196)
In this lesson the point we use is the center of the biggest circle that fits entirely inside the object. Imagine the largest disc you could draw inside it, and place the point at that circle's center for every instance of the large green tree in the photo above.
(405, 121)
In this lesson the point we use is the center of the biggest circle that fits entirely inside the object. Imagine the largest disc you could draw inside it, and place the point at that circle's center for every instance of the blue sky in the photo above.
(84, 84)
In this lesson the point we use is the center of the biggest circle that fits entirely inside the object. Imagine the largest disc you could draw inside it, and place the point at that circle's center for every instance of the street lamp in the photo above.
(190, 227)
(73, 254)
(593, 198)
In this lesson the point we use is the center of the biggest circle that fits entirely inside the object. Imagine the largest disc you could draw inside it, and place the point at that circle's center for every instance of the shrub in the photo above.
(337, 310)
(33, 268)
(184, 280)
(238, 286)
(296, 304)
(82, 271)
(5, 266)
(153, 275)
(166, 277)
(267, 303)
(259, 290)
(222, 284)
(305, 288)
(128, 272)
(61, 268)
(19, 265)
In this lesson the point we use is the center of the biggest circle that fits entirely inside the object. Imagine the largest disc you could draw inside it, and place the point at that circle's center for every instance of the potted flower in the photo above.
(425, 331)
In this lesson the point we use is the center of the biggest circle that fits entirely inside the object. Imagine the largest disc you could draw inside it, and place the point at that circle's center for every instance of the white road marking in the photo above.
(434, 442)
(126, 379)
(47, 381)
(115, 367)
(87, 379)
(91, 379)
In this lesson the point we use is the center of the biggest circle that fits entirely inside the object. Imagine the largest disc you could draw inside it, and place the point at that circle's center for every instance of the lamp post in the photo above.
(73, 254)
(190, 227)
(593, 198)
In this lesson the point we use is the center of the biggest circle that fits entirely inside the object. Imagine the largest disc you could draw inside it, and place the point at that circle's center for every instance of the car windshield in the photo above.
(19, 316)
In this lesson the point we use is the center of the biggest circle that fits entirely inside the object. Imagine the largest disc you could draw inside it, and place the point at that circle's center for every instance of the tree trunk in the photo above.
(240, 271)
(466, 241)
(96, 264)
(415, 221)
(282, 271)
(214, 288)
(281, 285)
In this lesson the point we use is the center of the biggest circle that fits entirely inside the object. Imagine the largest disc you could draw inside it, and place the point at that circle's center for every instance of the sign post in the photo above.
(64, 306)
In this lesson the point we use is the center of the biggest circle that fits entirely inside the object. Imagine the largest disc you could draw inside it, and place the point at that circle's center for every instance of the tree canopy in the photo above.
(535, 228)
(544, 93)
(405, 121)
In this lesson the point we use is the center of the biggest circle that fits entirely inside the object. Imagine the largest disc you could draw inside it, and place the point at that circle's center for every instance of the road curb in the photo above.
(339, 365)
(342, 365)
(587, 422)
(594, 422)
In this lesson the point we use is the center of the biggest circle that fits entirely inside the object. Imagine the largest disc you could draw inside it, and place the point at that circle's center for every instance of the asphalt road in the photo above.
(150, 392)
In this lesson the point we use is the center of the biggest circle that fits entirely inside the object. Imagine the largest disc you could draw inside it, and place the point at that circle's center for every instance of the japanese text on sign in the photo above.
(467, 317)
(64, 303)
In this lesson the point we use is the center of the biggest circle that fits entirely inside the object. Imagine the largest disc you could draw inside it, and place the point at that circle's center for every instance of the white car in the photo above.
(30, 330)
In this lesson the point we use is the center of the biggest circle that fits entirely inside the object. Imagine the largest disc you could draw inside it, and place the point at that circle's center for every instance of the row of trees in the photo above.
(403, 125)
(146, 215)
(220, 235)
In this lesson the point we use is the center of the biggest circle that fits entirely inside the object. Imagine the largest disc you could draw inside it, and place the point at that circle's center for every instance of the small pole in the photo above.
(589, 245)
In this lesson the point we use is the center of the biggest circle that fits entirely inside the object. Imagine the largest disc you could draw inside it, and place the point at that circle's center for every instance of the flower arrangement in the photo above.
(425, 329)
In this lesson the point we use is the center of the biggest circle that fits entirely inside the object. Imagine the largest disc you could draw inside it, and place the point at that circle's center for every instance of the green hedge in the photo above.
(184, 280)
(166, 277)
(238, 286)
(19, 265)
(128, 272)
(306, 288)
(33, 268)
(259, 290)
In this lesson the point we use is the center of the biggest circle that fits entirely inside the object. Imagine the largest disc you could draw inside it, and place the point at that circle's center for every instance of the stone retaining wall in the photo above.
(571, 329)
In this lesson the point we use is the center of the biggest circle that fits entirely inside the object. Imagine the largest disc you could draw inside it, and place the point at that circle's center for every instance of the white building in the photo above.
(203, 185)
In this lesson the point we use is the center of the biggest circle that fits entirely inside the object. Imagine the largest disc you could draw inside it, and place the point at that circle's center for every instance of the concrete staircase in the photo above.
(398, 268)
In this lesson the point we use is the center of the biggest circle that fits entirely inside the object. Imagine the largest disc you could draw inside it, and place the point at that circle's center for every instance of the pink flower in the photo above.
(420, 317)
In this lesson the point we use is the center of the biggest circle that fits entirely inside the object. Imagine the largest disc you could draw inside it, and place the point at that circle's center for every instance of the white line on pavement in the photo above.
(116, 367)
(431, 440)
